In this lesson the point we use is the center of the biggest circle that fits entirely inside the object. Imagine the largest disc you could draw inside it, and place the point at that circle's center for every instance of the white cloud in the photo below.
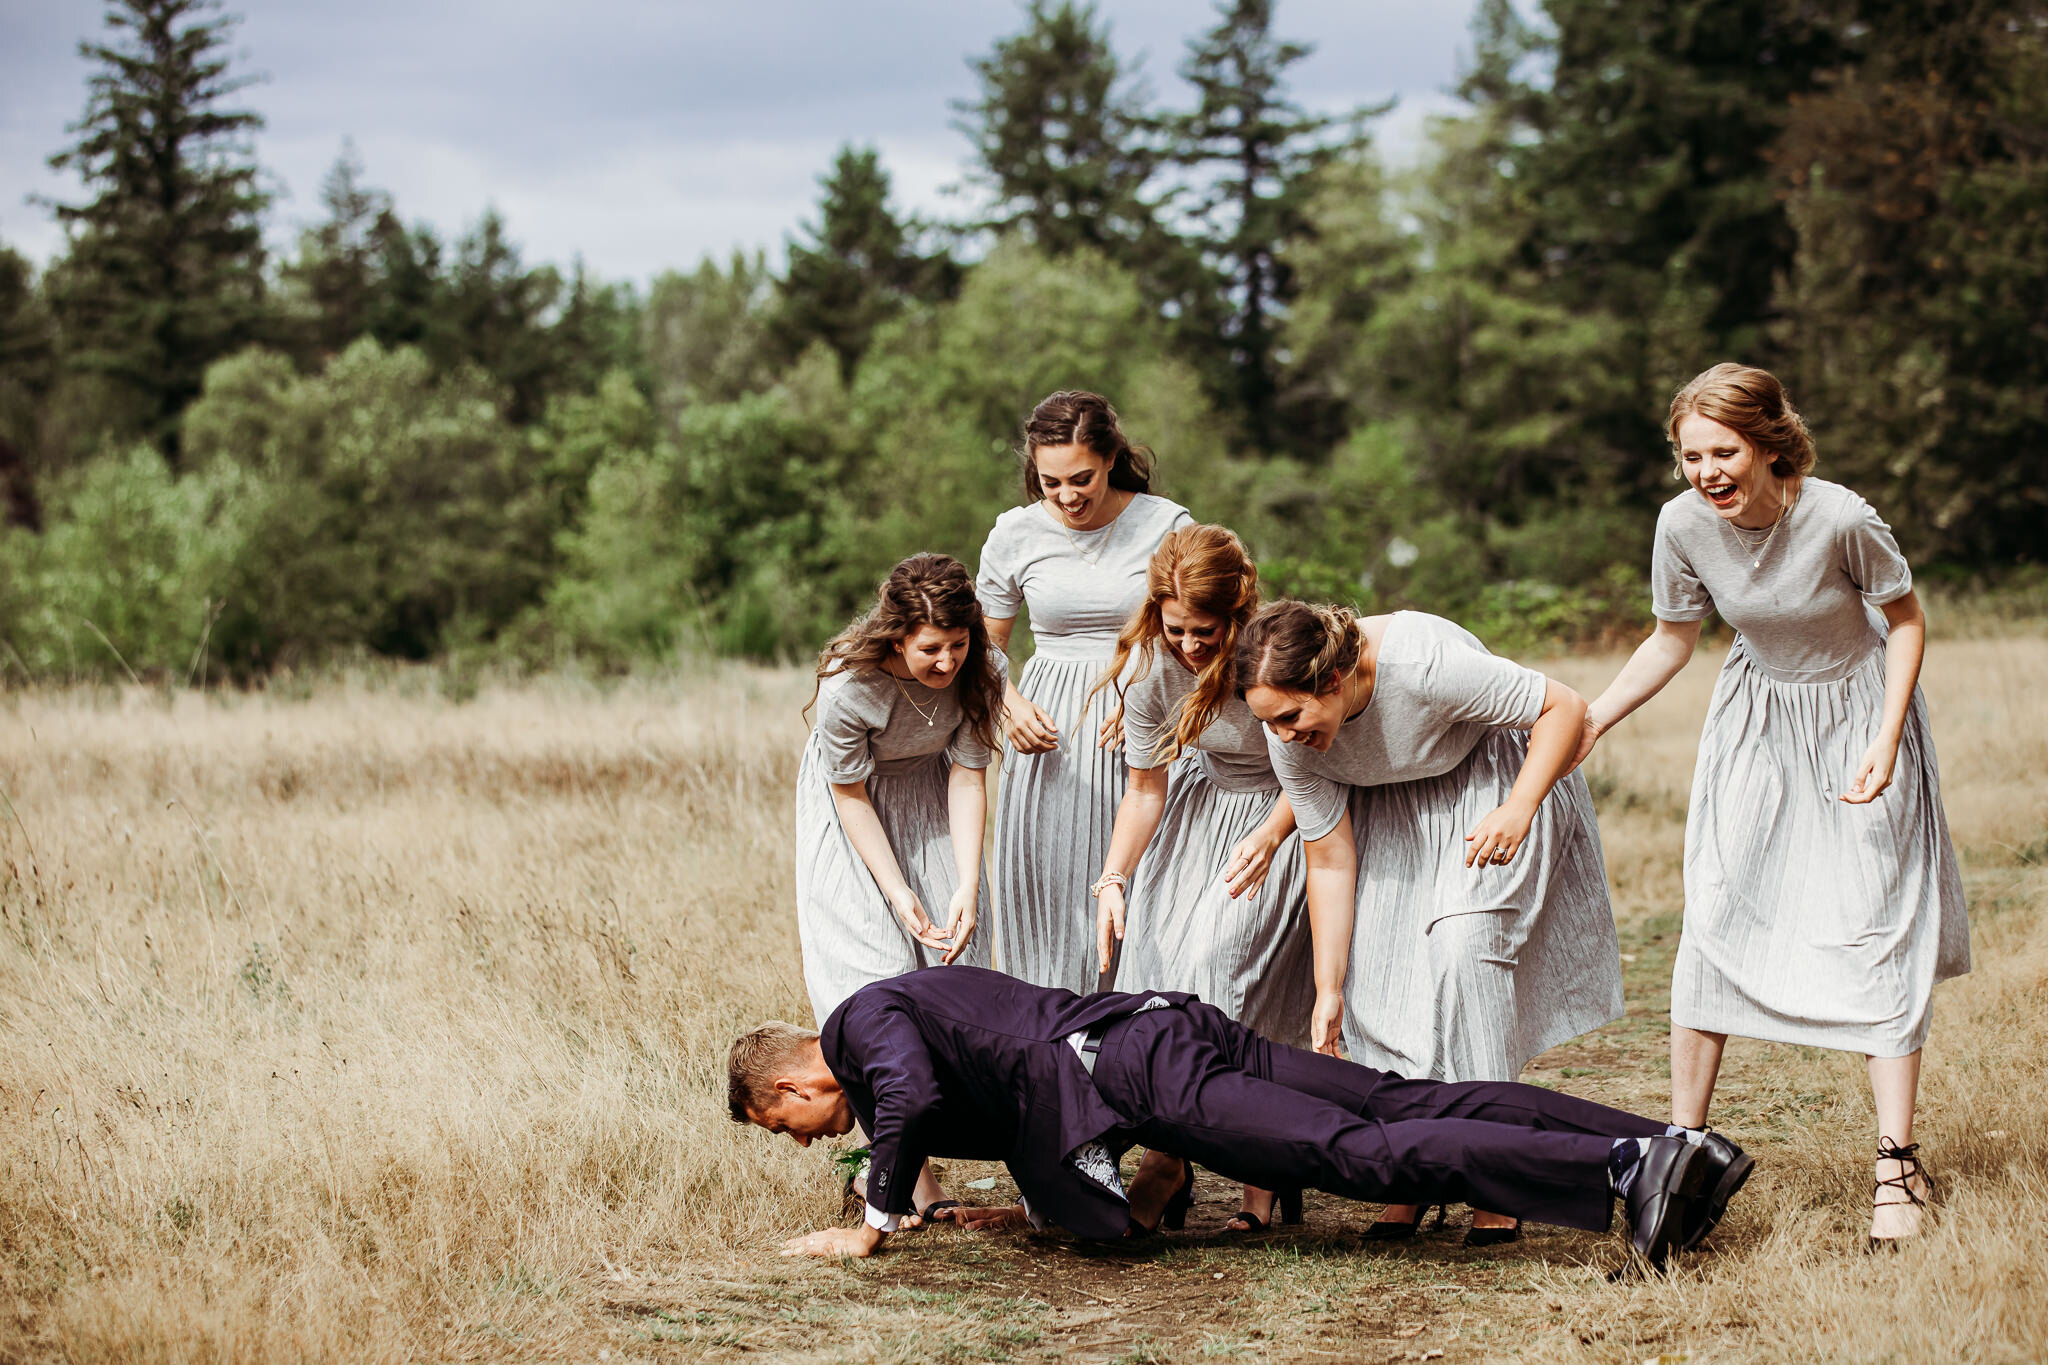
(644, 134)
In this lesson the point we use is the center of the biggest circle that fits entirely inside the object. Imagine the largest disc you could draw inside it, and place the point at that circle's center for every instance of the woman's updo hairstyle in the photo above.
(1072, 417)
(1306, 647)
(1753, 402)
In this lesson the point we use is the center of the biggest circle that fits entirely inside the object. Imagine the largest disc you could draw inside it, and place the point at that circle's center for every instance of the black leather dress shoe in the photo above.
(1668, 1178)
(1727, 1166)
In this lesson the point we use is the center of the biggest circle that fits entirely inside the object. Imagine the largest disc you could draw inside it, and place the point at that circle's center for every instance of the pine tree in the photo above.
(858, 268)
(1263, 152)
(165, 268)
(27, 361)
(336, 271)
(495, 311)
(1064, 144)
(1646, 147)
(1913, 319)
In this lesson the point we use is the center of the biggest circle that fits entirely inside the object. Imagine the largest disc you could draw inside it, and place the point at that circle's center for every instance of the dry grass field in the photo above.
(372, 1026)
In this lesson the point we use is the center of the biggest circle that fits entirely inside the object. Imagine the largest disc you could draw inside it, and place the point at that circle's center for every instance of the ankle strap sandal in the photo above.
(1908, 1158)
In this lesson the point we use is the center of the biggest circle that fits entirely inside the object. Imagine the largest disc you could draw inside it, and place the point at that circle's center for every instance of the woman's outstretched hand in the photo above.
(1249, 863)
(911, 912)
(1326, 1024)
(1028, 728)
(1589, 735)
(1109, 925)
(1873, 774)
(1498, 837)
(1111, 735)
(961, 918)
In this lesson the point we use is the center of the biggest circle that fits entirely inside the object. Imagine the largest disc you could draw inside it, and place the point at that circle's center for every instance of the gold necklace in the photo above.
(930, 717)
(1756, 549)
(1108, 527)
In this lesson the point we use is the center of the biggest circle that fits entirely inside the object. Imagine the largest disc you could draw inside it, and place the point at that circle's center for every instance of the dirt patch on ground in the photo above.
(1314, 1291)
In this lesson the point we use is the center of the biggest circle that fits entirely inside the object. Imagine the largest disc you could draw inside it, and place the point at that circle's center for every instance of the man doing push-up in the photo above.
(966, 1063)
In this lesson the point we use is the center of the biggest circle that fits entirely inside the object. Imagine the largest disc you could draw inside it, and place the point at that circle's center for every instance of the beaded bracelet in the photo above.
(1116, 879)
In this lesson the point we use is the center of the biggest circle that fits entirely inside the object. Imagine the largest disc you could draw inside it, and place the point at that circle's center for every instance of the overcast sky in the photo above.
(643, 134)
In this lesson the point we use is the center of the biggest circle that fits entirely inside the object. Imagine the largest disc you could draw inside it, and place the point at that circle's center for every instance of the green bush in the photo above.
(386, 507)
(128, 575)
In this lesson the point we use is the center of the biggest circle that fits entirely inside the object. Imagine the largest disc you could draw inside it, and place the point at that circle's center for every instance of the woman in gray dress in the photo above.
(1456, 891)
(1208, 859)
(1822, 899)
(891, 796)
(1074, 554)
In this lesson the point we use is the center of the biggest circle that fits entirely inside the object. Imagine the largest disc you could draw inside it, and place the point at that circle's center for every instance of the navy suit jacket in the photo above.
(969, 1063)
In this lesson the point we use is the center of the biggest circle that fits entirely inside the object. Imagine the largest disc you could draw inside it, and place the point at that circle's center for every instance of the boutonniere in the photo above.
(852, 1161)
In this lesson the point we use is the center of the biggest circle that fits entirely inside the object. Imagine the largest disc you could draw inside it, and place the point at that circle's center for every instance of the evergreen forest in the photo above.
(1438, 385)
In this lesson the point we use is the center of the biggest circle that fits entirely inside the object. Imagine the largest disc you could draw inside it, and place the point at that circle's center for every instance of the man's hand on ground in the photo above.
(860, 1241)
(979, 1219)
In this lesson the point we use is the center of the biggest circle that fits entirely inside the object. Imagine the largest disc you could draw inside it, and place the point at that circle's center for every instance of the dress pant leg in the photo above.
(1395, 1099)
(1170, 1073)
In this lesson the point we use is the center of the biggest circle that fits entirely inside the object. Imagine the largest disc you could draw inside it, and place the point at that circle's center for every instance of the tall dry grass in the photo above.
(377, 1027)
(336, 1029)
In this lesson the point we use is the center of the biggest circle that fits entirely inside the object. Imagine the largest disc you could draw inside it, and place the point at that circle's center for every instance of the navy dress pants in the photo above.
(1194, 1083)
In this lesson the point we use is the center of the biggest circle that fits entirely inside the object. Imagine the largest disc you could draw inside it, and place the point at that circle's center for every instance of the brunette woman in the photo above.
(1075, 555)
(1822, 899)
(891, 797)
(1460, 918)
(1204, 882)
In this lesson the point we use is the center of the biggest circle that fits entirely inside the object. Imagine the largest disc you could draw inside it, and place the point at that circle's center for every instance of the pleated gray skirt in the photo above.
(1464, 973)
(849, 934)
(1808, 920)
(1250, 957)
(1054, 813)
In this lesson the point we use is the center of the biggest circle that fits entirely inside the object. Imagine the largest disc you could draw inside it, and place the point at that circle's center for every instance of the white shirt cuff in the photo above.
(883, 1222)
(1034, 1219)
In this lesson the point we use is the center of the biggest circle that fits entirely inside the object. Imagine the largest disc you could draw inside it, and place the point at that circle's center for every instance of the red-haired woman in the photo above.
(1075, 555)
(1822, 899)
(891, 797)
(1456, 892)
(1207, 862)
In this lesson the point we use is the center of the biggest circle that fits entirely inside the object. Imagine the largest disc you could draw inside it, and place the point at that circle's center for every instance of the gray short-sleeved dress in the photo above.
(1250, 957)
(869, 731)
(1807, 920)
(1054, 811)
(1457, 973)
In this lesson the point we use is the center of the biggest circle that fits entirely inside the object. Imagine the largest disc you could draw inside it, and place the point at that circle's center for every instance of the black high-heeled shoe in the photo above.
(1286, 1203)
(1493, 1237)
(1395, 1231)
(1909, 1167)
(1175, 1215)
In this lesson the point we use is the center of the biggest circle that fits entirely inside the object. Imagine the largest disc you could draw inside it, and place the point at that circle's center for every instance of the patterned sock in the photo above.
(1693, 1135)
(1622, 1163)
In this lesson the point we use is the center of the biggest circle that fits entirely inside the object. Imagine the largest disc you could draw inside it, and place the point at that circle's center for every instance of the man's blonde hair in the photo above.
(760, 1057)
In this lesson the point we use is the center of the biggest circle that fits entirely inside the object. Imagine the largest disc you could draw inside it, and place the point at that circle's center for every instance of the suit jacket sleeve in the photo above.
(897, 1070)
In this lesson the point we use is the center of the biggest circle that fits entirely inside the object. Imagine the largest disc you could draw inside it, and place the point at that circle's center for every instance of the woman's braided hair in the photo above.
(1307, 647)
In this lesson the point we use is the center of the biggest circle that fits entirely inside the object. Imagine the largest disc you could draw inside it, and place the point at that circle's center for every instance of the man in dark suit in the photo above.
(966, 1063)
